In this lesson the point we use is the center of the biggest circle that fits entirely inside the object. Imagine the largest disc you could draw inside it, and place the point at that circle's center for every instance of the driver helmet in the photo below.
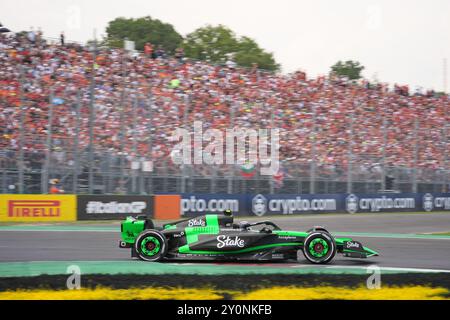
(228, 212)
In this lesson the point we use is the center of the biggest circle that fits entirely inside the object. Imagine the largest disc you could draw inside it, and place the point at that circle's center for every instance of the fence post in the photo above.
(92, 119)
(4, 188)
(213, 179)
(122, 137)
(272, 122)
(21, 131)
(150, 140)
(231, 166)
(312, 178)
(45, 172)
(446, 136)
(446, 147)
(383, 173)
(185, 125)
(416, 153)
(76, 153)
(350, 155)
(134, 145)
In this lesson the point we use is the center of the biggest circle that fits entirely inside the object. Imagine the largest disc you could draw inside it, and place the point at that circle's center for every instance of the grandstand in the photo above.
(109, 115)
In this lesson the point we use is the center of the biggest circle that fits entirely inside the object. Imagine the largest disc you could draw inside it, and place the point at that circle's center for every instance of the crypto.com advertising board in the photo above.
(275, 204)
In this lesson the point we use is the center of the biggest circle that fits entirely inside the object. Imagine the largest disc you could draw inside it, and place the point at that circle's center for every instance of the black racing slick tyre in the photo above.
(151, 245)
(319, 247)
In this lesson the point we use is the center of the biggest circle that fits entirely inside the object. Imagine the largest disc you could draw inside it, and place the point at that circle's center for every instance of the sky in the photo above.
(398, 41)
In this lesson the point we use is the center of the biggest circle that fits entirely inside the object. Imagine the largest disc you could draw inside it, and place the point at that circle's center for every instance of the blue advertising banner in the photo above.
(269, 204)
(195, 204)
(277, 204)
(396, 202)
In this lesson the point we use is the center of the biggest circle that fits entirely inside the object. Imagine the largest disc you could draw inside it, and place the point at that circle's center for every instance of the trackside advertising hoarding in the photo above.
(194, 204)
(396, 202)
(274, 204)
(37, 208)
(98, 207)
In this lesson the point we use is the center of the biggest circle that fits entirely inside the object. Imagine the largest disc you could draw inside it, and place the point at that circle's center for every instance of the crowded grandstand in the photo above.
(140, 97)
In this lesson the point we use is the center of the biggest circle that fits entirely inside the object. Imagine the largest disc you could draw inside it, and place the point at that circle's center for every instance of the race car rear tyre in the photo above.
(319, 247)
(151, 245)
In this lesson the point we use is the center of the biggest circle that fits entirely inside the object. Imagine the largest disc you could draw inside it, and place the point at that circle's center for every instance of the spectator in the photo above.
(211, 91)
(160, 52)
(179, 54)
(31, 35)
(148, 50)
(55, 187)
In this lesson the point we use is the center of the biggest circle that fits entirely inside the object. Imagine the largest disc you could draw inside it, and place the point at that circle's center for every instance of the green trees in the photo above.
(214, 43)
(249, 52)
(218, 43)
(142, 30)
(350, 69)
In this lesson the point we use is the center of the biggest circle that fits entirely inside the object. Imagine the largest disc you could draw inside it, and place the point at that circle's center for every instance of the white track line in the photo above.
(392, 269)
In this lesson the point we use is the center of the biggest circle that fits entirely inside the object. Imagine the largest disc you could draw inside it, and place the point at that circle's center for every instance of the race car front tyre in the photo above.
(319, 247)
(151, 245)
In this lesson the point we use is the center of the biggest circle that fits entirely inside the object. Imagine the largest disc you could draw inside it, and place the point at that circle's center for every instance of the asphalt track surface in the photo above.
(394, 236)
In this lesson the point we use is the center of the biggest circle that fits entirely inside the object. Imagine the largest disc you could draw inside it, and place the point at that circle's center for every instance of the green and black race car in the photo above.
(217, 237)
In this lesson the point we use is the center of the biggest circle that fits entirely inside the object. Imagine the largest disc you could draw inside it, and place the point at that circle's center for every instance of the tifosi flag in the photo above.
(248, 170)
(278, 178)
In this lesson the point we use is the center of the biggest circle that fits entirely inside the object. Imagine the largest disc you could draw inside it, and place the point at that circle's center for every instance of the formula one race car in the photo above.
(217, 237)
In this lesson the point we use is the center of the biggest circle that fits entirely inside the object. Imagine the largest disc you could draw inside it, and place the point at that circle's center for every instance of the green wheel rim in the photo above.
(318, 248)
(150, 246)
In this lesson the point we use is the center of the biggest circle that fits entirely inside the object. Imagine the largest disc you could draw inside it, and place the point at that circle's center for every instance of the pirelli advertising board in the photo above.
(37, 208)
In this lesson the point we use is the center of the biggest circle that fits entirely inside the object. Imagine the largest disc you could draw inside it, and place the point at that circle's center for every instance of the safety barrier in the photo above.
(41, 208)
